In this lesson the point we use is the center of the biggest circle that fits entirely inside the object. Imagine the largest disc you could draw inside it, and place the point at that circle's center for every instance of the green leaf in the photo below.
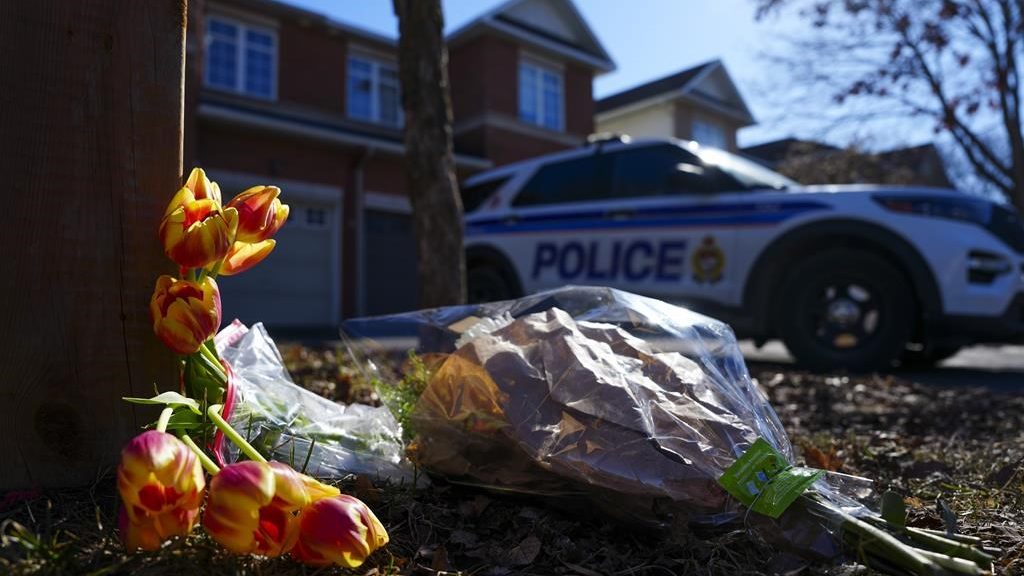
(185, 420)
(172, 399)
(894, 510)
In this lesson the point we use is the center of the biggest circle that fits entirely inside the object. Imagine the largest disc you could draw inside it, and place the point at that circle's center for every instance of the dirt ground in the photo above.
(962, 445)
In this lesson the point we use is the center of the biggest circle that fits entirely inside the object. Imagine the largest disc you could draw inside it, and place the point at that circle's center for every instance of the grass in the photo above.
(962, 447)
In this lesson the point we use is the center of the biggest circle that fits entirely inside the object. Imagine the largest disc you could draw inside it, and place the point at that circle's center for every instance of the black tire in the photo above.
(926, 358)
(486, 283)
(845, 308)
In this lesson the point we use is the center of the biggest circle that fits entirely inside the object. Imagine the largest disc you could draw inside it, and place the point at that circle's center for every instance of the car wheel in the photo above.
(926, 358)
(845, 309)
(487, 284)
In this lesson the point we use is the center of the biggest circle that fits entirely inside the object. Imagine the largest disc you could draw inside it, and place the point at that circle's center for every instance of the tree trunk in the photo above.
(91, 152)
(429, 160)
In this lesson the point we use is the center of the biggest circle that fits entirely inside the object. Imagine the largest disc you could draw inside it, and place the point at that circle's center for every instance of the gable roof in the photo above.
(686, 84)
(552, 25)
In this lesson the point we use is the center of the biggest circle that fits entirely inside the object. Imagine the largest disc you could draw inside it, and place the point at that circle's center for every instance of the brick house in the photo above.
(278, 94)
(700, 103)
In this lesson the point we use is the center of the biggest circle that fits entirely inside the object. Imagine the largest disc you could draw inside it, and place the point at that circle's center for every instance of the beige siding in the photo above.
(649, 122)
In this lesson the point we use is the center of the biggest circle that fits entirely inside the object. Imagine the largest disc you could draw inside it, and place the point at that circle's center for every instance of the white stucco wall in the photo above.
(656, 121)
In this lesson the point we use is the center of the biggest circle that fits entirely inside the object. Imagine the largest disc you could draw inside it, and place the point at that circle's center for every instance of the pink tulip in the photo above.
(253, 506)
(161, 484)
(341, 530)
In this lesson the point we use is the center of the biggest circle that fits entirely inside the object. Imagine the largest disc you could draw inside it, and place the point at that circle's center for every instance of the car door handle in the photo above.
(511, 220)
(624, 214)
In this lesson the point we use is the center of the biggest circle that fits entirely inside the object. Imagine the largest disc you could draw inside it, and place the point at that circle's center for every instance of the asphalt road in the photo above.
(1000, 368)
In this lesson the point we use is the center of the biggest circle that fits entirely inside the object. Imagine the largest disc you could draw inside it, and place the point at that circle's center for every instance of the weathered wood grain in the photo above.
(91, 125)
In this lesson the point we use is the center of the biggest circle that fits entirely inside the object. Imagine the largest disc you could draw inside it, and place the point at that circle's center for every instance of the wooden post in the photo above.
(91, 125)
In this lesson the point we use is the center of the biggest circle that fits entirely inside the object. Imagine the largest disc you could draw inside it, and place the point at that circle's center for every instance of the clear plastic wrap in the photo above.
(632, 403)
(288, 423)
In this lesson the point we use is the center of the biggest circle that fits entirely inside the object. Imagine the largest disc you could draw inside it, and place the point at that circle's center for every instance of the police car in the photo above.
(856, 277)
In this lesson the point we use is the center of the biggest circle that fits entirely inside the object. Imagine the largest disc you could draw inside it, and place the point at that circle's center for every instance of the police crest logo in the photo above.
(708, 261)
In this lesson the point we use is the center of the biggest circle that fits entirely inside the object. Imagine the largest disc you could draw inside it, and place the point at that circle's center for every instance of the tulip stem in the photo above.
(205, 460)
(233, 435)
(165, 418)
(206, 350)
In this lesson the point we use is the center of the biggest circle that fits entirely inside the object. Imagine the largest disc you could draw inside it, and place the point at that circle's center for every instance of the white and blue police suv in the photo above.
(847, 276)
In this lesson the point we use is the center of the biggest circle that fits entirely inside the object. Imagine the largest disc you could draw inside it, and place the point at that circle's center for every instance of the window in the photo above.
(650, 171)
(579, 180)
(373, 91)
(310, 217)
(709, 134)
(744, 174)
(540, 95)
(241, 57)
(474, 196)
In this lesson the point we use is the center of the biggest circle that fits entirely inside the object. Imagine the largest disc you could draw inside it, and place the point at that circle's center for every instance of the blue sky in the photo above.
(652, 38)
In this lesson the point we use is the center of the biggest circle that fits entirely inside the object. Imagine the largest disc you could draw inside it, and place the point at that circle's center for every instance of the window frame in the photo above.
(541, 67)
(241, 55)
(376, 63)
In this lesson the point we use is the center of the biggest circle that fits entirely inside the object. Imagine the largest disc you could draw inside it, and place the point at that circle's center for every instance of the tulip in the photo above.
(161, 485)
(253, 506)
(202, 187)
(197, 231)
(260, 213)
(341, 530)
(185, 314)
(243, 256)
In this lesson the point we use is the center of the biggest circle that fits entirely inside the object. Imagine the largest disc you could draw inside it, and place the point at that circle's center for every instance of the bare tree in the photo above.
(953, 62)
(849, 165)
(429, 159)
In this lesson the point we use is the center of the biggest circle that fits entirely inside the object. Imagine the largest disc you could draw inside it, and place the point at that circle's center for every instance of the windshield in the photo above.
(749, 174)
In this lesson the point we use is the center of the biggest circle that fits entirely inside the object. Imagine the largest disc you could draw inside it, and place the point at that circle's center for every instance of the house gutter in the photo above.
(251, 119)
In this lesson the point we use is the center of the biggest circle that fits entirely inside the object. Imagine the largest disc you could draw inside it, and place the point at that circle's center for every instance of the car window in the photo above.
(659, 171)
(667, 170)
(576, 180)
(474, 196)
(746, 174)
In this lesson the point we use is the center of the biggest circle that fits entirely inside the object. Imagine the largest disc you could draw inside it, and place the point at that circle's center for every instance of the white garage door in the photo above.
(297, 285)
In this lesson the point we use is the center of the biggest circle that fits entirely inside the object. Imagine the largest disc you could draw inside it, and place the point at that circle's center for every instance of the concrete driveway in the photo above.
(1000, 368)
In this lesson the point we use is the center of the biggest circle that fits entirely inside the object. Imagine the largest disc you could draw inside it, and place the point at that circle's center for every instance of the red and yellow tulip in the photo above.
(161, 485)
(253, 506)
(341, 530)
(202, 187)
(243, 256)
(185, 314)
(197, 231)
(260, 213)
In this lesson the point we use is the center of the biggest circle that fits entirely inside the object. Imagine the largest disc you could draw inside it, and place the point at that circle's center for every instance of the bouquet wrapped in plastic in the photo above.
(642, 407)
(288, 423)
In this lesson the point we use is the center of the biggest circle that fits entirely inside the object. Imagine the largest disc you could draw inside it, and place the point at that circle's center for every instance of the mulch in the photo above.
(947, 450)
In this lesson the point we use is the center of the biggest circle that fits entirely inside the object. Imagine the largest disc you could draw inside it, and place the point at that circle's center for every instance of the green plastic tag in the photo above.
(763, 481)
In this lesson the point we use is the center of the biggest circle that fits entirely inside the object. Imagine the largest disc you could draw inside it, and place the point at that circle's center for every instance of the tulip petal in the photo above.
(161, 484)
(185, 314)
(341, 530)
(244, 256)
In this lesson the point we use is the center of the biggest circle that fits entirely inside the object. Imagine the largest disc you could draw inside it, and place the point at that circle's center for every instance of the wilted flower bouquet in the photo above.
(643, 410)
(252, 506)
